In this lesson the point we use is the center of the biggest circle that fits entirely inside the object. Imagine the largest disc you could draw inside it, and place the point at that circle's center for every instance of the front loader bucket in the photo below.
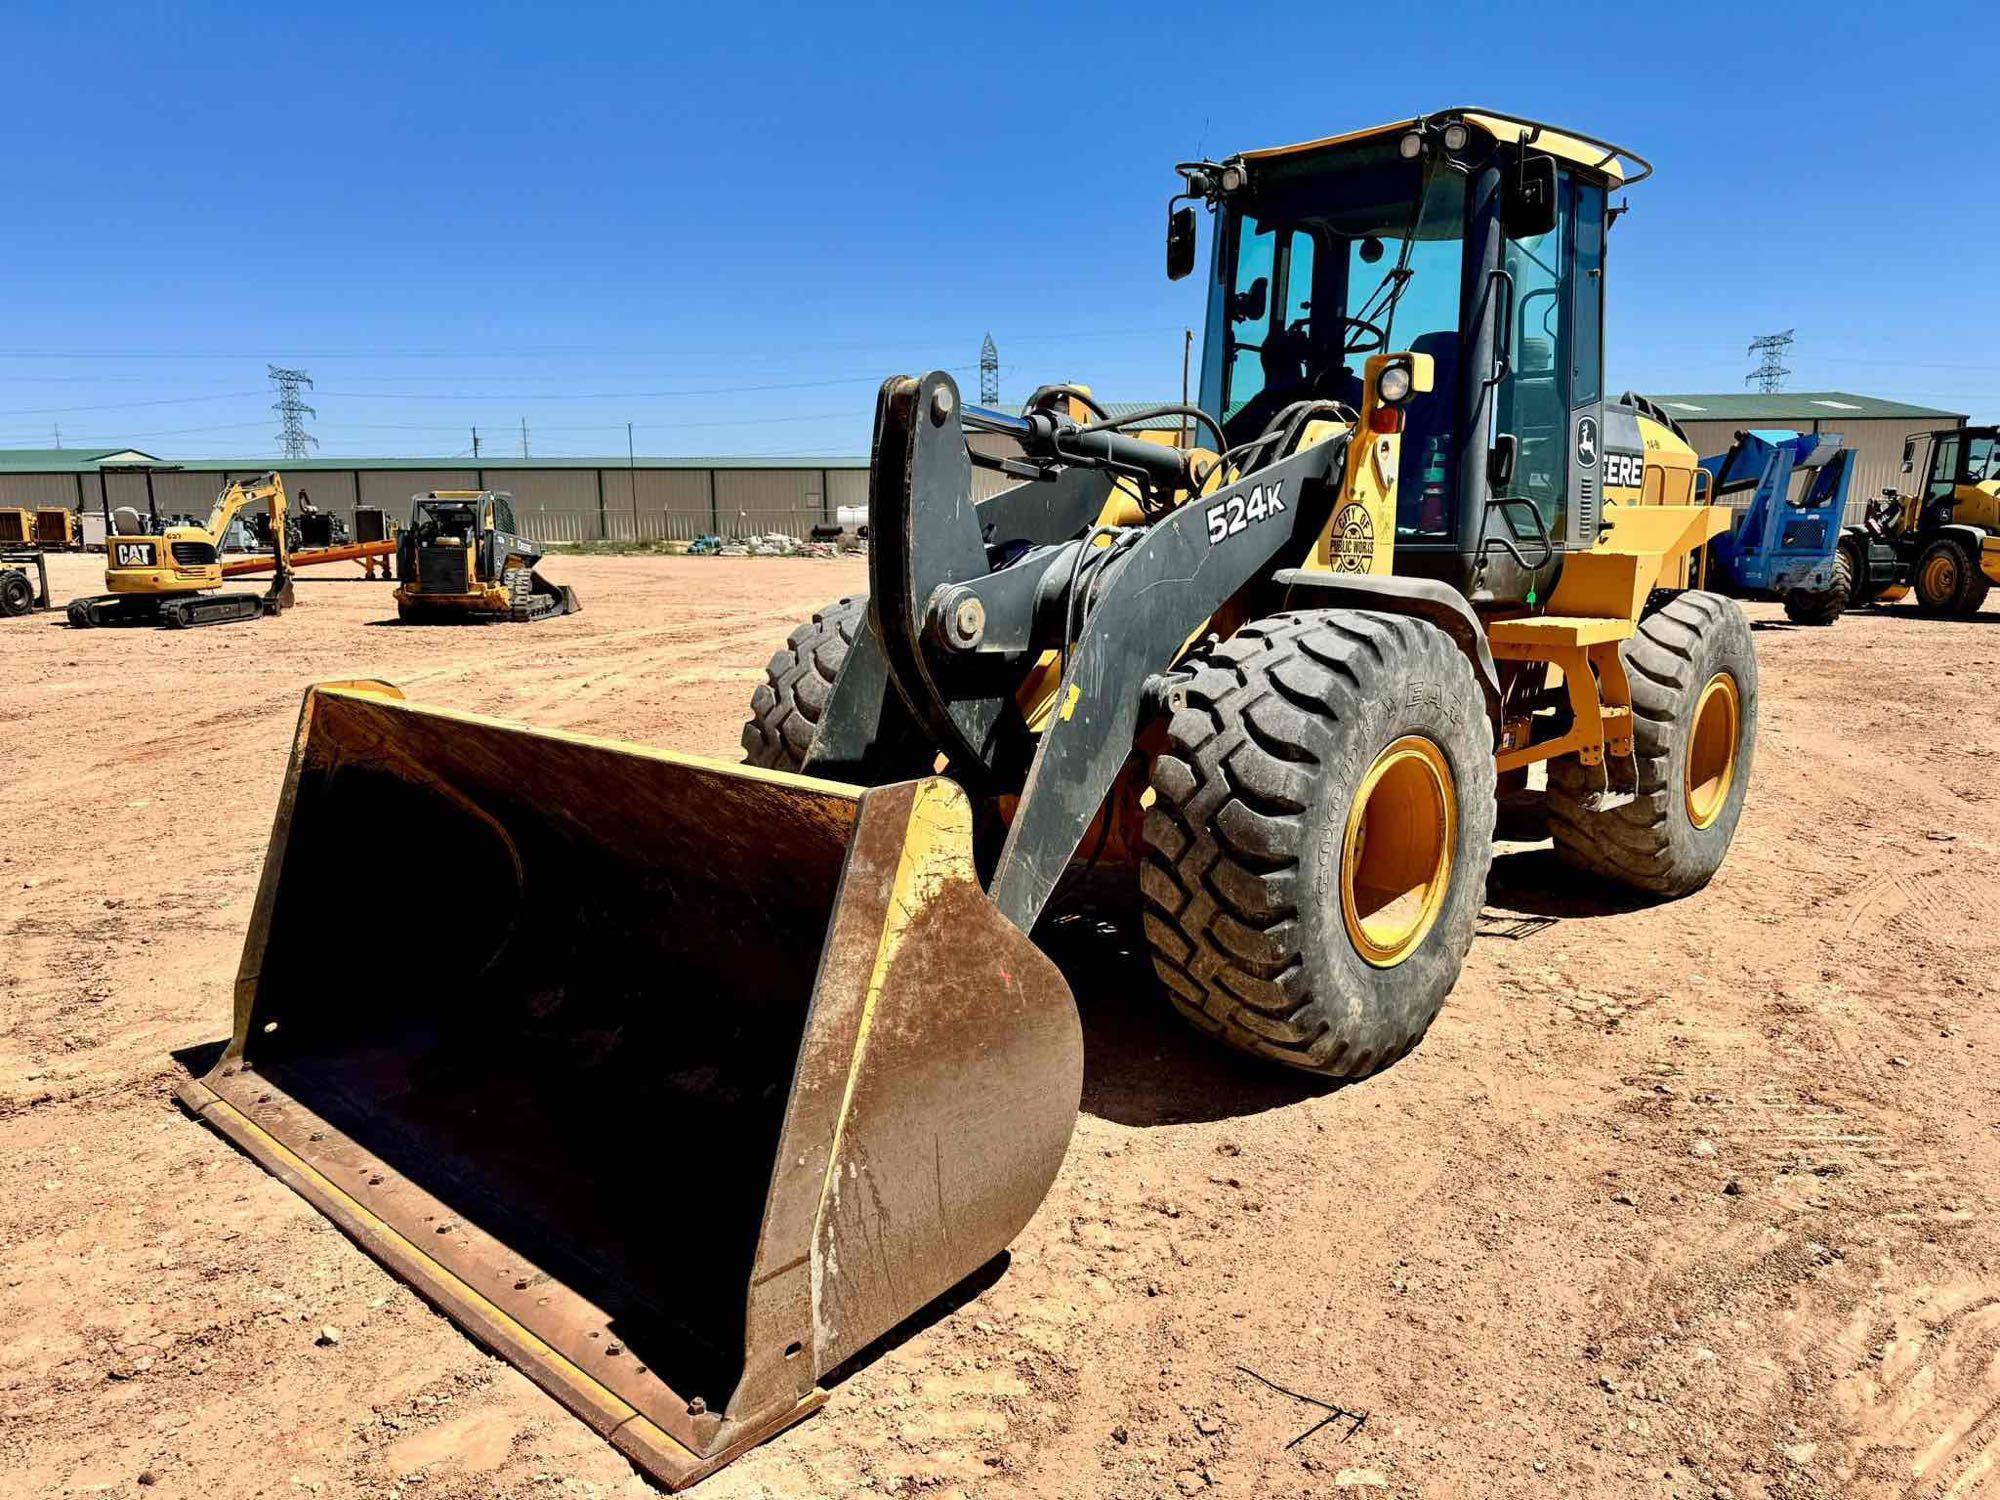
(673, 1082)
(560, 596)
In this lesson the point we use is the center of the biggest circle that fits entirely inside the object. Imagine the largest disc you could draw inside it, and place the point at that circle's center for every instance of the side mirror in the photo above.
(1247, 306)
(1529, 206)
(1500, 461)
(1180, 243)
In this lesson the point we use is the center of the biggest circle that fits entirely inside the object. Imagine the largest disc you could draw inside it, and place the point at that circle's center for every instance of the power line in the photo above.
(44, 411)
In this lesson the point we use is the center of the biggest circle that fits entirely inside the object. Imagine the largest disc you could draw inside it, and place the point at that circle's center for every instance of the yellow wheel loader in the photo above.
(464, 558)
(167, 575)
(701, 1078)
(1940, 542)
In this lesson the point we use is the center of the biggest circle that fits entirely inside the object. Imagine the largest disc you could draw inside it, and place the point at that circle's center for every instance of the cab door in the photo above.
(1550, 398)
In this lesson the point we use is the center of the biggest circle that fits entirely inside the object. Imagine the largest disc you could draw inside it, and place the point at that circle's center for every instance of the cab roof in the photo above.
(1614, 163)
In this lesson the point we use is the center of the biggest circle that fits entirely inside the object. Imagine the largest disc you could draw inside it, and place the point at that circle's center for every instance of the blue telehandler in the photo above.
(1785, 544)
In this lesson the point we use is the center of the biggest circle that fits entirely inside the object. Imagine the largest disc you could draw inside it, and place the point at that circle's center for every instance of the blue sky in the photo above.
(726, 226)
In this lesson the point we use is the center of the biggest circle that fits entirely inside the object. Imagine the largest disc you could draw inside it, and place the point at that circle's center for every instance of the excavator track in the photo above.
(212, 609)
(102, 610)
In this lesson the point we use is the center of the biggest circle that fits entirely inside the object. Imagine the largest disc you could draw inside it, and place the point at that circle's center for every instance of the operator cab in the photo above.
(1472, 238)
(1951, 457)
(446, 522)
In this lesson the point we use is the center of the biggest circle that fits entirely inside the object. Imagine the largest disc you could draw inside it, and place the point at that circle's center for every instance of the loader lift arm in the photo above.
(1118, 604)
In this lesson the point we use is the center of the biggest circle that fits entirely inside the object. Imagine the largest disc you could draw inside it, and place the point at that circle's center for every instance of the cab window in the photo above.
(1249, 313)
(1944, 467)
(503, 514)
(1982, 459)
(1532, 402)
(1340, 261)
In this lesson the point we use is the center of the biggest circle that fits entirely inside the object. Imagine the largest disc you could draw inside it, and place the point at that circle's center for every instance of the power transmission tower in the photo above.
(989, 373)
(292, 411)
(1769, 376)
(524, 437)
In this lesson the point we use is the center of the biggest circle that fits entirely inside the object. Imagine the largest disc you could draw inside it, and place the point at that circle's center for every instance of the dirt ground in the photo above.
(1692, 1199)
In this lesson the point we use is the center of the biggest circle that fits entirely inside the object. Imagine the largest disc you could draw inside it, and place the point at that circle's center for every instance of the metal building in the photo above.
(557, 499)
(1874, 428)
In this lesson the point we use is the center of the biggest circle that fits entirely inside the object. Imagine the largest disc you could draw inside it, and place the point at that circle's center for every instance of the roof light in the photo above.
(1411, 146)
(1233, 177)
(1456, 136)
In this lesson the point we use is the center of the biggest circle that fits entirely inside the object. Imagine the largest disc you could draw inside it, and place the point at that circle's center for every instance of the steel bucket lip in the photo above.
(633, 1409)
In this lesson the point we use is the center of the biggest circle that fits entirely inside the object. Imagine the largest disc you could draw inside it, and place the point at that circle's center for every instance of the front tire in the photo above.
(785, 709)
(1322, 827)
(1948, 580)
(1693, 672)
(1861, 594)
(1827, 605)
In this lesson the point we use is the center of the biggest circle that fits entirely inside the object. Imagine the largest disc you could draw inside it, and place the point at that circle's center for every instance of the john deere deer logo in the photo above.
(1586, 441)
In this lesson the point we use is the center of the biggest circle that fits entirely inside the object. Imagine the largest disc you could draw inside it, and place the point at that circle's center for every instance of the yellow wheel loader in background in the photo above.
(462, 558)
(740, 1066)
(1941, 540)
(167, 574)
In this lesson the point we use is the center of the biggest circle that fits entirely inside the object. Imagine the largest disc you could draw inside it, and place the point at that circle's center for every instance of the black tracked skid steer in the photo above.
(689, 1081)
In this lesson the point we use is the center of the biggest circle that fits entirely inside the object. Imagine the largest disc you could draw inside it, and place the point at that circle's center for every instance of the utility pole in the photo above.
(989, 372)
(1769, 376)
(524, 437)
(292, 411)
(475, 442)
(58, 436)
(632, 480)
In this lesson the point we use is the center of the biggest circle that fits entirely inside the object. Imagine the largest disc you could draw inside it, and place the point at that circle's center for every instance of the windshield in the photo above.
(1982, 458)
(438, 520)
(1327, 261)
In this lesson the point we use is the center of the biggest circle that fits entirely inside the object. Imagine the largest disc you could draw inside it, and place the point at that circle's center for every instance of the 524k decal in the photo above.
(1227, 517)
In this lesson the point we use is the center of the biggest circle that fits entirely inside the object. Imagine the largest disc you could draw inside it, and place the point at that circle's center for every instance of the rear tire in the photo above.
(1688, 660)
(1827, 605)
(1326, 760)
(785, 710)
(17, 595)
(1947, 579)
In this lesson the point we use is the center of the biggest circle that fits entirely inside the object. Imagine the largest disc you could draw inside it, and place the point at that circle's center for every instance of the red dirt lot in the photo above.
(1676, 1200)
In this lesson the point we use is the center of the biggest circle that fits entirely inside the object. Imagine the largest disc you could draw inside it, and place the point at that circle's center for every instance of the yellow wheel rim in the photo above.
(1711, 757)
(1395, 863)
(1940, 576)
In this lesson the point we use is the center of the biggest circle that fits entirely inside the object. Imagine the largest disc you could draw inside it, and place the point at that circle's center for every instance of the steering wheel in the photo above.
(1354, 330)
